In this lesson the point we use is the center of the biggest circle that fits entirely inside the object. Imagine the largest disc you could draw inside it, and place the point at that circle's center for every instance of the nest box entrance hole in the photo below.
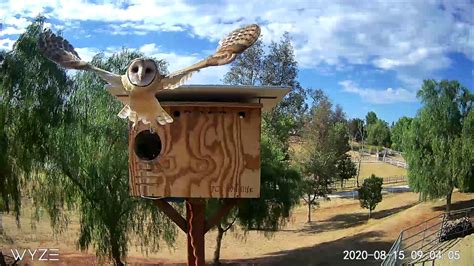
(147, 145)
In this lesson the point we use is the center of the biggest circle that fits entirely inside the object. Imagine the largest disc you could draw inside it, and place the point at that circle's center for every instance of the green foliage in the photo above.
(399, 131)
(281, 69)
(88, 168)
(339, 138)
(370, 193)
(279, 191)
(32, 95)
(439, 142)
(356, 129)
(378, 133)
(346, 169)
(276, 68)
(248, 68)
(327, 142)
(466, 154)
(371, 118)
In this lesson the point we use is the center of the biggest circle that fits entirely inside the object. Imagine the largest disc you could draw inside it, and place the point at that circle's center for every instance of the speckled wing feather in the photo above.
(239, 40)
(60, 51)
(233, 44)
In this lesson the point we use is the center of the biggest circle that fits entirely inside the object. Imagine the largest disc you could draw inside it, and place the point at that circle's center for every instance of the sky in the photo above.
(366, 55)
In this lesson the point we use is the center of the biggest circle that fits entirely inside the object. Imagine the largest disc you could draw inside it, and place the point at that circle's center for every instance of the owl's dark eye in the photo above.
(134, 69)
(147, 70)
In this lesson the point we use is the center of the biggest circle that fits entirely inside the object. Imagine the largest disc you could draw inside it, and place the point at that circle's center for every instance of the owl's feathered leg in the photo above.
(127, 112)
(164, 118)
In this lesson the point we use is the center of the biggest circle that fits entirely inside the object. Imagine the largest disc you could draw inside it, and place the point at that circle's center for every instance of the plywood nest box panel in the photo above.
(211, 150)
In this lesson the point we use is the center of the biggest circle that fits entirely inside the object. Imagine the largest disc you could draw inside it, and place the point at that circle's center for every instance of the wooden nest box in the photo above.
(211, 150)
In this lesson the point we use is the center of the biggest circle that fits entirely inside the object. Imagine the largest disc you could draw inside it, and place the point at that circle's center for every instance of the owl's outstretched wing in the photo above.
(60, 51)
(233, 44)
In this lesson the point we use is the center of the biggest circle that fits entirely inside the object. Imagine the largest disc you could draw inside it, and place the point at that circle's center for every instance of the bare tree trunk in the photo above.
(1, 223)
(370, 212)
(420, 197)
(116, 253)
(217, 252)
(448, 201)
(358, 169)
(309, 212)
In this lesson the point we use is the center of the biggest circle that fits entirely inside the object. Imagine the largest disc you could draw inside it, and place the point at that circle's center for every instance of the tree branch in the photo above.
(78, 184)
(223, 211)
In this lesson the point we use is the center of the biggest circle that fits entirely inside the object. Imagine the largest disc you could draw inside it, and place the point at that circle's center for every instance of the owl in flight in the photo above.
(136, 89)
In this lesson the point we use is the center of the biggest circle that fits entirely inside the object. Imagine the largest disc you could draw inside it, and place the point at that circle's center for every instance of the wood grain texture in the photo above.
(209, 151)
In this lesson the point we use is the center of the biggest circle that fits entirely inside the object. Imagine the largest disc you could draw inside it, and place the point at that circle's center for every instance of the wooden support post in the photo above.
(167, 209)
(195, 225)
(196, 218)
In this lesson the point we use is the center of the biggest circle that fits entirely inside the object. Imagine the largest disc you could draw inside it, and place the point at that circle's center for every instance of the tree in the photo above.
(346, 169)
(326, 144)
(466, 154)
(248, 68)
(371, 118)
(359, 132)
(281, 69)
(339, 138)
(339, 141)
(378, 133)
(318, 173)
(398, 132)
(356, 129)
(88, 168)
(370, 193)
(31, 104)
(438, 145)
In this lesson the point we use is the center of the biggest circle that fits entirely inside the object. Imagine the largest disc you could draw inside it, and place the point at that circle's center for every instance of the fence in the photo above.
(395, 162)
(352, 183)
(392, 152)
(381, 159)
(422, 242)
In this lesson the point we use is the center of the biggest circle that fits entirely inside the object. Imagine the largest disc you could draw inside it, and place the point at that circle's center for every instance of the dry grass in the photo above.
(338, 225)
(380, 169)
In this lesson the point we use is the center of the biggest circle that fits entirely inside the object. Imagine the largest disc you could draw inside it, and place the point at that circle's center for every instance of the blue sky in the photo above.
(366, 55)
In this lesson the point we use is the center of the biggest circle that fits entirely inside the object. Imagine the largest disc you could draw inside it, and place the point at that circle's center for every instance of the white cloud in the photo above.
(212, 75)
(386, 96)
(11, 31)
(176, 62)
(87, 53)
(6, 44)
(412, 38)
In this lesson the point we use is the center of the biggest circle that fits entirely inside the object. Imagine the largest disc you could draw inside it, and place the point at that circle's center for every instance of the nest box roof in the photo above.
(268, 96)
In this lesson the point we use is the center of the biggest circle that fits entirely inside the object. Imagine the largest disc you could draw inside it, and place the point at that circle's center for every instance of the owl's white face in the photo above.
(142, 72)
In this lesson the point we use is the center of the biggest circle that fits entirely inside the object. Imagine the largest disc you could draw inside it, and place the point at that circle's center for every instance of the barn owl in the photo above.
(137, 88)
